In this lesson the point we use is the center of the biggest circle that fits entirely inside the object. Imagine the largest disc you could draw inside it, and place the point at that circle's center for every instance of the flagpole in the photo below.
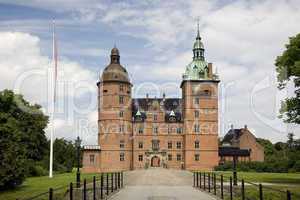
(54, 59)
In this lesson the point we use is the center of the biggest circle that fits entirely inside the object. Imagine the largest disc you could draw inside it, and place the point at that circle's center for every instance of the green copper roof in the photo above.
(196, 70)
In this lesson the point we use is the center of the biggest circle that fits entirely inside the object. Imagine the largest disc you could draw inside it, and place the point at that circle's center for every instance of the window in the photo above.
(178, 145)
(141, 145)
(121, 87)
(169, 129)
(179, 130)
(178, 157)
(121, 99)
(197, 100)
(92, 158)
(104, 91)
(155, 129)
(155, 145)
(122, 144)
(196, 128)
(169, 157)
(197, 157)
(197, 145)
(121, 128)
(140, 158)
(155, 117)
(122, 156)
(196, 113)
(169, 145)
(121, 113)
(141, 129)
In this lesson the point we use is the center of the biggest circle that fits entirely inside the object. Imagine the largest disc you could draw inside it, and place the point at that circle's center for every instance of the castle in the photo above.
(136, 133)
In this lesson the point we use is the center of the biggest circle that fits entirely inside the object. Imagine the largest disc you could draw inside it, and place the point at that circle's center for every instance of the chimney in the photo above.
(147, 96)
(164, 96)
(231, 126)
(210, 72)
(245, 127)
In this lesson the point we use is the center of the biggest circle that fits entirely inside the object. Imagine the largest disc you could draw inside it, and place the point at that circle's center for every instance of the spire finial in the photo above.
(198, 32)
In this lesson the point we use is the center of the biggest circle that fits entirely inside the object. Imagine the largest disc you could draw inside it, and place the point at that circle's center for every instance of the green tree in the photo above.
(64, 155)
(22, 137)
(288, 68)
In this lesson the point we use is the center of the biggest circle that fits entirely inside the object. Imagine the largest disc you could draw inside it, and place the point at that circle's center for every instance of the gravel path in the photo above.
(159, 184)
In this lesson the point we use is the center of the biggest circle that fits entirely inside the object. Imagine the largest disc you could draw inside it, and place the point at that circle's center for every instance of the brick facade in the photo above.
(164, 132)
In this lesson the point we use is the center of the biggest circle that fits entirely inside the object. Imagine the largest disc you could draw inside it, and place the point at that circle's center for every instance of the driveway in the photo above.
(159, 184)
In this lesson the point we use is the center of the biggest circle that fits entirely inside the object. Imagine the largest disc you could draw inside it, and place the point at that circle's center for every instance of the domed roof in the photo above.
(115, 71)
(198, 44)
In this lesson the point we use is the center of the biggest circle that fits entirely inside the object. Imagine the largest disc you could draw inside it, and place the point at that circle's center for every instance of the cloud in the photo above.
(24, 69)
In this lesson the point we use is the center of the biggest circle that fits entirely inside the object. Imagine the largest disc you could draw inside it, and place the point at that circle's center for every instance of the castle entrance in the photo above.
(155, 161)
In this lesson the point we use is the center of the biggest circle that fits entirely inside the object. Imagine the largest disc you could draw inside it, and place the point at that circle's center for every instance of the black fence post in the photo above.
(84, 189)
(194, 179)
(50, 194)
(94, 188)
(222, 189)
(200, 180)
(215, 184)
(122, 179)
(197, 179)
(101, 186)
(243, 189)
(208, 182)
(107, 184)
(230, 188)
(116, 181)
(260, 192)
(71, 191)
(204, 181)
(112, 182)
(288, 195)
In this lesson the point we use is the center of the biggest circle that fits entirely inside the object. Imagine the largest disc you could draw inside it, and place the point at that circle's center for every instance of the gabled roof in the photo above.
(232, 134)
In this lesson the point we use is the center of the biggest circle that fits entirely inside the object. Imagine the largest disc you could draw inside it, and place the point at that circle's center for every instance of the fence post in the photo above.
(112, 182)
(208, 182)
(288, 195)
(200, 180)
(230, 188)
(194, 179)
(260, 192)
(71, 191)
(94, 188)
(101, 186)
(50, 193)
(116, 180)
(197, 179)
(84, 189)
(107, 184)
(243, 189)
(204, 181)
(122, 179)
(215, 184)
(222, 189)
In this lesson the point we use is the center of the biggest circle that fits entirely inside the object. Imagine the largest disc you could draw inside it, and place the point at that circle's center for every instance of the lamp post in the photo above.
(234, 170)
(77, 144)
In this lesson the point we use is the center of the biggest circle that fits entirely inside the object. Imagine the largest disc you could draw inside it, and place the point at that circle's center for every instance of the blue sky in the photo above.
(242, 39)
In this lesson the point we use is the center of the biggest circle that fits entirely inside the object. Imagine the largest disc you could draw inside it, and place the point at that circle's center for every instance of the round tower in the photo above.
(114, 116)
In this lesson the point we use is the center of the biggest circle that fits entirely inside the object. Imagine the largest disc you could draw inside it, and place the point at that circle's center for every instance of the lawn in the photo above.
(36, 185)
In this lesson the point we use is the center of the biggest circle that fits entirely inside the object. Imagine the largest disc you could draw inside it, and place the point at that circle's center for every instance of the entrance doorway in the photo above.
(155, 161)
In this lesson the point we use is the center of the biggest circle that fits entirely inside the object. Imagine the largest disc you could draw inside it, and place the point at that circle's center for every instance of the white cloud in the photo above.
(24, 69)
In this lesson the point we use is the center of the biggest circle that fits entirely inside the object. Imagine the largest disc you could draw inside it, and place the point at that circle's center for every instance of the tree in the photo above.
(288, 68)
(64, 155)
(22, 137)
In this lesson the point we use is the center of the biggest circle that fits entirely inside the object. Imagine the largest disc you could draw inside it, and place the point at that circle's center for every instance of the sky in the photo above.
(241, 38)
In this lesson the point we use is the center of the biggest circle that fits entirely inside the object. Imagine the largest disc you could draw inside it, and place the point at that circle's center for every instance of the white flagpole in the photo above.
(54, 59)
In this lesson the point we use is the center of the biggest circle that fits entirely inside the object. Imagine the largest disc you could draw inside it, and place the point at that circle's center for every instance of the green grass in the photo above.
(36, 185)
(275, 178)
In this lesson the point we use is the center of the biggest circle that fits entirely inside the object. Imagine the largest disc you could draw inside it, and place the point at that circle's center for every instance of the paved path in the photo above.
(159, 184)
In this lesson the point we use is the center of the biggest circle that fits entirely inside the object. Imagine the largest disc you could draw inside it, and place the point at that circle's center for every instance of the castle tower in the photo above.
(114, 116)
(200, 111)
